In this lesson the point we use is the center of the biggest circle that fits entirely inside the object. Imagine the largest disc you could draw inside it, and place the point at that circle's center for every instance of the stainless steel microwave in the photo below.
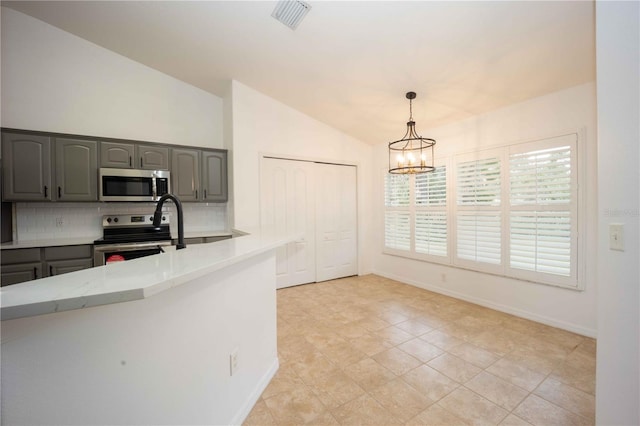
(133, 184)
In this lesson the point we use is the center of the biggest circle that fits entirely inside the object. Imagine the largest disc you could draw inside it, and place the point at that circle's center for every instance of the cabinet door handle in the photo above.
(50, 270)
(45, 191)
(59, 192)
(196, 194)
(141, 162)
(35, 272)
(130, 165)
(205, 194)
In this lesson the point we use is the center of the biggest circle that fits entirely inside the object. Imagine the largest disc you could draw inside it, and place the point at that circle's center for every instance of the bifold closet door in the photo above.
(287, 205)
(318, 202)
(336, 222)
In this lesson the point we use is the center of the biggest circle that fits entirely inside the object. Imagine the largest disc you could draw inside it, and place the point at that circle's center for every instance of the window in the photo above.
(416, 217)
(397, 221)
(543, 209)
(430, 216)
(479, 210)
(514, 212)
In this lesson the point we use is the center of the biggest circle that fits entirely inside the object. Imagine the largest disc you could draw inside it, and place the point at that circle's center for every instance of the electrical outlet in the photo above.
(233, 362)
(59, 222)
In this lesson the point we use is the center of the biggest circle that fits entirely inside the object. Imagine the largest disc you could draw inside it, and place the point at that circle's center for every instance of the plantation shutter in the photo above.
(542, 199)
(479, 237)
(397, 230)
(397, 219)
(396, 191)
(431, 212)
(479, 215)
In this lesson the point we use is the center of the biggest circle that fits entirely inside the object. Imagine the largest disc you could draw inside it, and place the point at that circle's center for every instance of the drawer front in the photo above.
(68, 252)
(16, 256)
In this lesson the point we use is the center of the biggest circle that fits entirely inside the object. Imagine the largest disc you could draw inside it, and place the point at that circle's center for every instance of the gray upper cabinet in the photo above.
(214, 176)
(133, 156)
(185, 173)
(152, 157)
(76, 170)
(26, 167)
(57, 167)
(117, 155)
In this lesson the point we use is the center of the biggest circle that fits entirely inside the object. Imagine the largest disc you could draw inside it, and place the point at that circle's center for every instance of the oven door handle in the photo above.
(131, 246)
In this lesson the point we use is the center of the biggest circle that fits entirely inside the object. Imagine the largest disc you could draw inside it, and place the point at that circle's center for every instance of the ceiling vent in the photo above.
(290, 12)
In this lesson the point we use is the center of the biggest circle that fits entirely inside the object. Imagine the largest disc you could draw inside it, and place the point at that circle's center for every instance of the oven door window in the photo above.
(115, 186)
(121, 255)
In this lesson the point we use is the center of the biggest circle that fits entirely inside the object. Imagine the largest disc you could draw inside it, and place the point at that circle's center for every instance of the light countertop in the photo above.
(19, 244)
(131, 280)
(47, 243)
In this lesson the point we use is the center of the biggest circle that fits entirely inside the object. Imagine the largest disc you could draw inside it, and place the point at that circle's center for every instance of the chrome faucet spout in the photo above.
(157, 217)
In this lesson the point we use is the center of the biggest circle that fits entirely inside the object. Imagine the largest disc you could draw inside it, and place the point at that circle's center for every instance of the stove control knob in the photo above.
(115, 220)
(108, 220)
(164, 218)
(150, 218)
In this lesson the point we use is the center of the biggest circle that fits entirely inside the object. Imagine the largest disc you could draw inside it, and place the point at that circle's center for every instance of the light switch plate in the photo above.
(616, 236)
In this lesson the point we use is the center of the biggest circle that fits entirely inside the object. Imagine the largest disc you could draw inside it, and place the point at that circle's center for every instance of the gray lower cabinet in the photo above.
(58, 267)
(14, 274)
(26, 164)
(133, 156)
(76, 170)
(22, 265)
(63, 259)
(185, 174)
(214, 176)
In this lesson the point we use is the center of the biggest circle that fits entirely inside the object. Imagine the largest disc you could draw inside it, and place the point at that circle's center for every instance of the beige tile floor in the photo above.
(369, 350)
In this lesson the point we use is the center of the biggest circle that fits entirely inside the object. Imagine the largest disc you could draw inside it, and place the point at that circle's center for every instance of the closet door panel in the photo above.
(288, 206)
(336, 222)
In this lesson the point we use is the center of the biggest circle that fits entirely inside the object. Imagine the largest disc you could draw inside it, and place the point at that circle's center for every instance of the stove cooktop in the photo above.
(122, 229)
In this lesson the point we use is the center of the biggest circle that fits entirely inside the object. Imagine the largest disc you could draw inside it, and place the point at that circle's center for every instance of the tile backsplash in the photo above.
(35, 221)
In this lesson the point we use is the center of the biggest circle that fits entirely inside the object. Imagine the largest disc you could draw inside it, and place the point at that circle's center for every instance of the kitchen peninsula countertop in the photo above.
(131, 280)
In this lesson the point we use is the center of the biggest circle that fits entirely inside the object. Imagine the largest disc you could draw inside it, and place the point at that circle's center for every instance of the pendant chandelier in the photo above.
(412, 154)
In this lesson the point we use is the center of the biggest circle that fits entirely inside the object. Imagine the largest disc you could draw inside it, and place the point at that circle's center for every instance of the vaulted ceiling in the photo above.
(349, 63)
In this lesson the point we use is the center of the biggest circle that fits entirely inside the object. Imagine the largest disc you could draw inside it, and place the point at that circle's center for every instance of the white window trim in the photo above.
(578, 218)
(411, 253)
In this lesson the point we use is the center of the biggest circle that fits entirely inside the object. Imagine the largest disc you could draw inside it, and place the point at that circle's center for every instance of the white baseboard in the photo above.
(574, 328)
(244, 411)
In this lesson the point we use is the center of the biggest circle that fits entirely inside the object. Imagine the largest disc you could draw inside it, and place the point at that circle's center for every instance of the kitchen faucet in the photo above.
(157, 217)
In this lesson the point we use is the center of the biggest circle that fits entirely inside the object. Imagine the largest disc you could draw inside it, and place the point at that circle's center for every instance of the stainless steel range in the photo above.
(127, 237)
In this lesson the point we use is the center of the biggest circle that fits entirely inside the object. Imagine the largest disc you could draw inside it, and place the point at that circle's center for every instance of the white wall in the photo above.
(54, 81)
(163, 360)
(568, 110)
(618, 71)
(262, 125)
